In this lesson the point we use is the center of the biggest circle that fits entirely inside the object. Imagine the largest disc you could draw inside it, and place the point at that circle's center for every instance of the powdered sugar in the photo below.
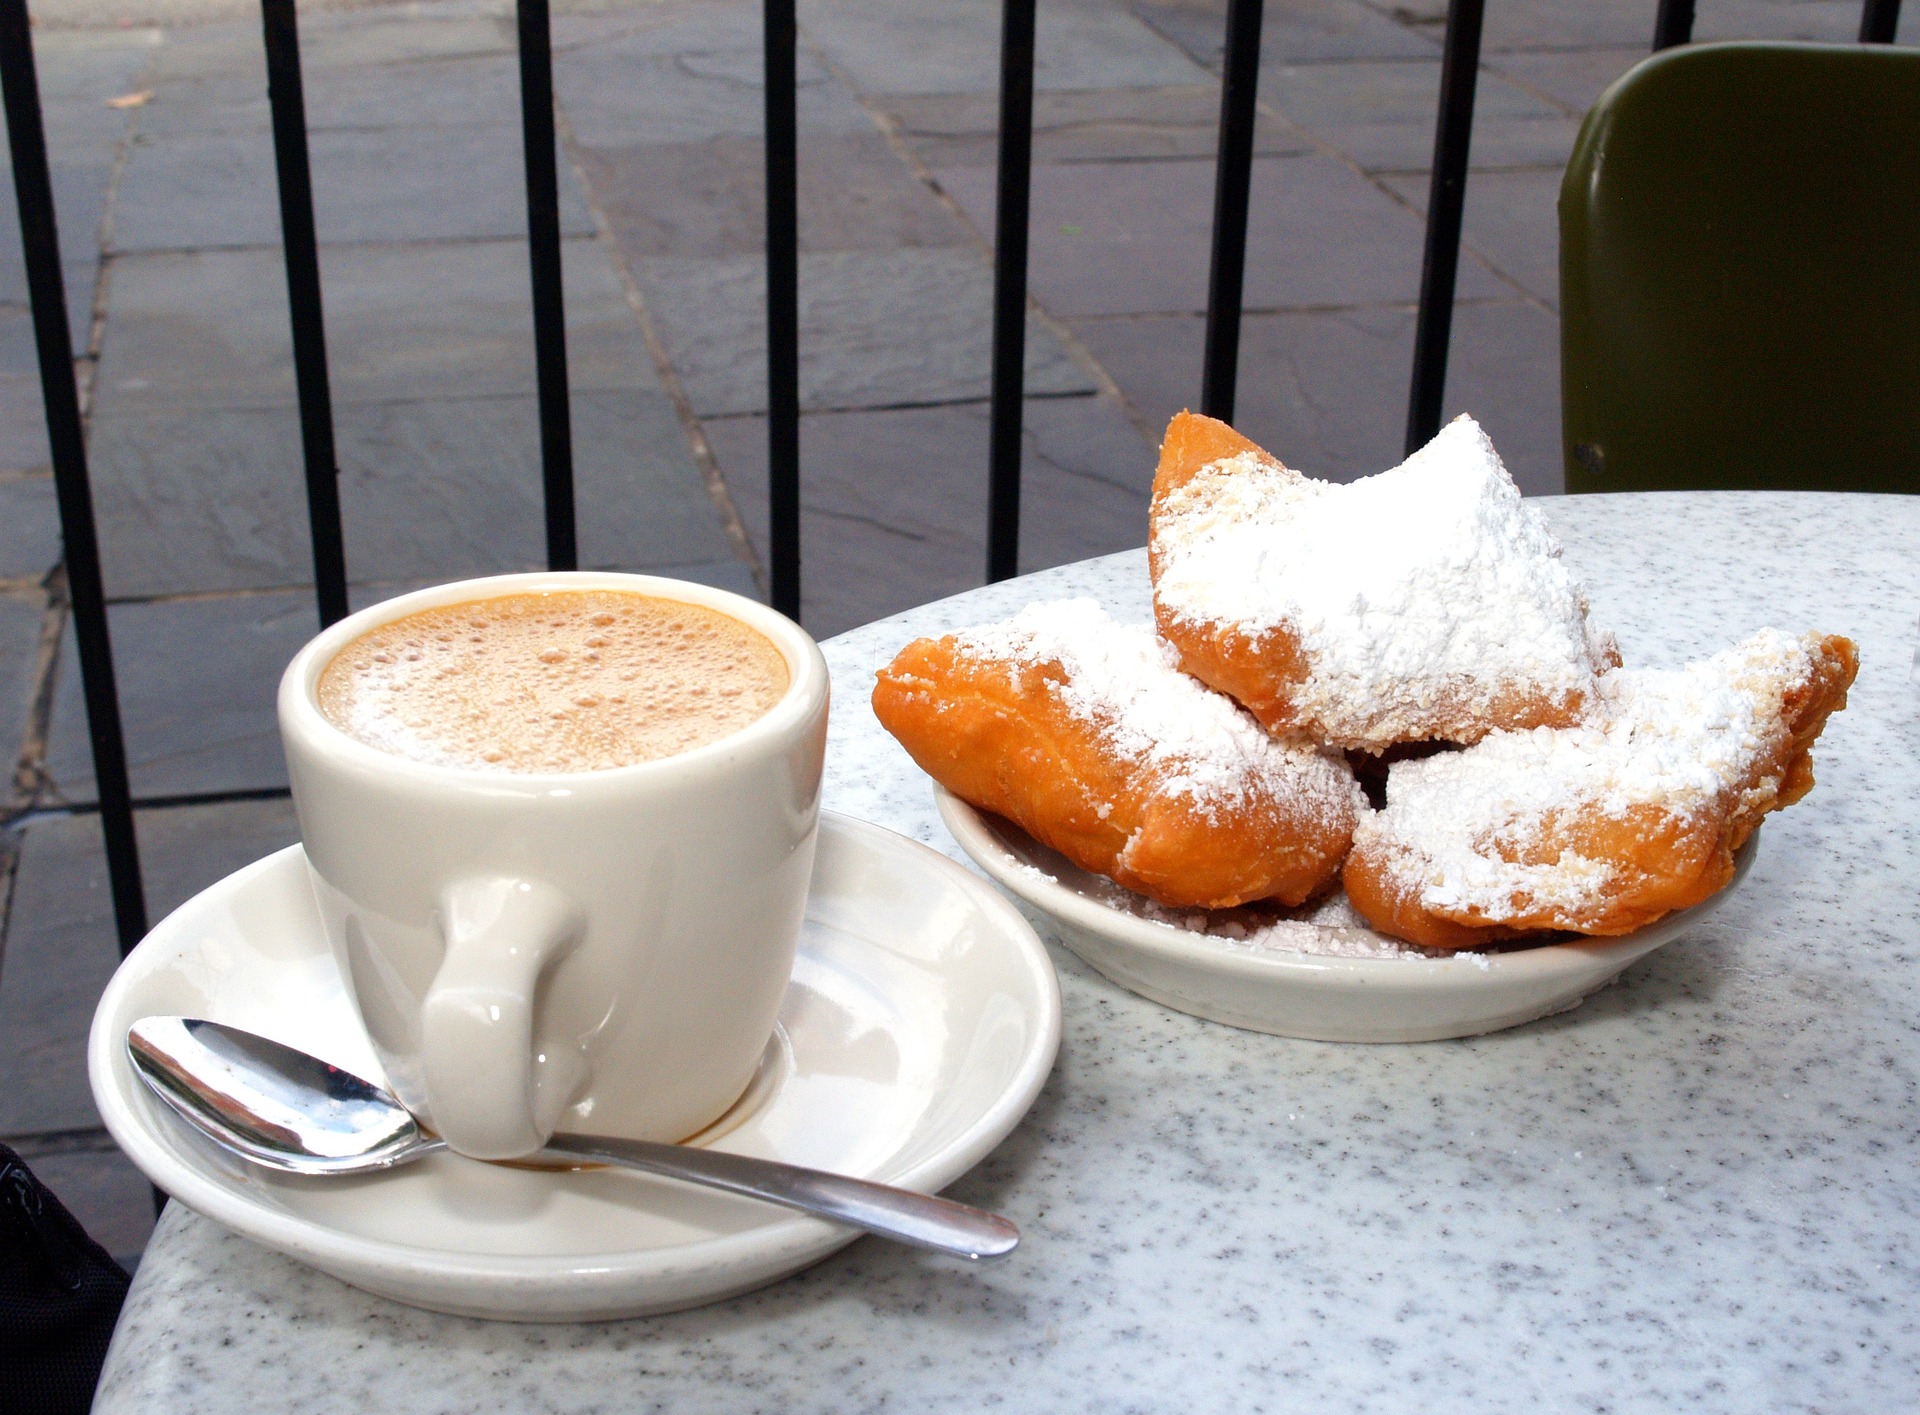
(1687, 740)
(1431, 587)
(1331, 928)
(1123, 681)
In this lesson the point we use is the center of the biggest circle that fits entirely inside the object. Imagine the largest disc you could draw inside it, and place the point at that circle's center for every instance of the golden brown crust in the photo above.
(993, 733)
(1662, 862)
(1661, 859)
(1195, 442)
(1254, 670)
(1259, 671)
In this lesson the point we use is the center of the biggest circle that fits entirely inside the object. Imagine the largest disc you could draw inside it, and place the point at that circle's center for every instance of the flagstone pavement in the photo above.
(158, 134)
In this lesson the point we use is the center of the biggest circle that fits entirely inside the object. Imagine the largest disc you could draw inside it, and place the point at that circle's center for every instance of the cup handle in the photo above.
(489, 1095)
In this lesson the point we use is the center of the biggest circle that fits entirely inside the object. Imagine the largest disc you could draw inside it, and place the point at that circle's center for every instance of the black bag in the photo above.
(60, 1295)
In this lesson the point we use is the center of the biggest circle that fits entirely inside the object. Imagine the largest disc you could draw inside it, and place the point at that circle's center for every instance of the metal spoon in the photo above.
(287, 1110)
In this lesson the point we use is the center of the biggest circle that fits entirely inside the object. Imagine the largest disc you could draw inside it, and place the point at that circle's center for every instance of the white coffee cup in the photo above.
(599, 950)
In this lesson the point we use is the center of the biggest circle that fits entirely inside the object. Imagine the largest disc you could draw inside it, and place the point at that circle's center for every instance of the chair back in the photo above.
(1740, 273)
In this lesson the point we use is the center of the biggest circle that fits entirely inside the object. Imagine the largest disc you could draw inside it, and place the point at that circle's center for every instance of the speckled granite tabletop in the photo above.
(1697, 1191)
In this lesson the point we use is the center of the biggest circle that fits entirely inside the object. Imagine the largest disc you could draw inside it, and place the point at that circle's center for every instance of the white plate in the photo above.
(1314, 996)
(922, 1020)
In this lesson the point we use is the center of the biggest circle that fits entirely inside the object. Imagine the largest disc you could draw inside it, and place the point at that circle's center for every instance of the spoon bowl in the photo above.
(270, 1103)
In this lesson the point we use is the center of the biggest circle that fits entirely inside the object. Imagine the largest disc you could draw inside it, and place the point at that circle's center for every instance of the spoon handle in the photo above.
(922, 1220)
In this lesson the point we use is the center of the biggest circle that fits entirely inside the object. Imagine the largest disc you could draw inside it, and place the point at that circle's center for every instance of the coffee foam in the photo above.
(576, 680)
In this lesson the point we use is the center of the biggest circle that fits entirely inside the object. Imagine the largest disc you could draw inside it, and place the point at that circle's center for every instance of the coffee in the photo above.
(577, 680)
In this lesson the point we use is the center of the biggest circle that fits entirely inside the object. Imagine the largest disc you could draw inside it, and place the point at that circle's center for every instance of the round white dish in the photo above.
(1317, 997)
(921, 1022)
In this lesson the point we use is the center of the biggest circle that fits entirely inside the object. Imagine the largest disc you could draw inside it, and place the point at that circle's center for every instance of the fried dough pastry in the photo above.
(1425, 603)
(1600, 828)
(1085, 733)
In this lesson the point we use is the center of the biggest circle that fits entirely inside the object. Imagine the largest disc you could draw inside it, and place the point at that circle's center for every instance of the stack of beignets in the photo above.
(1083, 732)
(1420, 620)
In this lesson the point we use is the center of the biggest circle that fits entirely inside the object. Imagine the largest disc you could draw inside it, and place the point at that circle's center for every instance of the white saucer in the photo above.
(922, 1020)
(1318, 997)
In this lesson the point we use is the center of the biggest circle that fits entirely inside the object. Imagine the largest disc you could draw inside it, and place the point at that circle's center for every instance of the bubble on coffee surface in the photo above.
(578, 680)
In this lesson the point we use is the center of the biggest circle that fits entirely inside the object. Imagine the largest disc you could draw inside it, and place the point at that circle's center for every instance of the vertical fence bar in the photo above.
(46, 292)
(288, 103)
(1011, 210)
(1878, 21)
(1446, 201)
(1233, 179)
(1672, 24)
(783, 310)
(549, 307)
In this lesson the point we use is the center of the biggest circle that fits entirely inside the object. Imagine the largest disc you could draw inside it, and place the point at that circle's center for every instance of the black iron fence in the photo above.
(1459, 68)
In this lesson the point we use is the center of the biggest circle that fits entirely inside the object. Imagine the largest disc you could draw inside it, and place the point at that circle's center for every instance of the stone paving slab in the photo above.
(877, 328)
(729, 574)
(1327, 390)
(77, 283)
(59, 954)
(194, 721)
(1291, 30)
(202, 51)
(938, 46)
(709, 198)
(202, 191)
(23, 425)
(1549, 24)
(962, 129)
(1498, 143)
(1834, 21)
(390, 34)
(642, 501)
(22, 613)
(659, 27)
(893, 501)
(1513, 219)
(79, 202)
(19, 361)
(397, 33)
(208, 329)
(81, 131)
(1573, 78)
(187, 502)
(89, 65)
(446, 489)
(1133, 238)
(613, 97)
(29, 527)
(60, 942)
(82, 140)
(1327, 96)
(1577, 24)
(1382, 113)
(436, 489)
(1566, 23)
(1505, 369)
(478, 91)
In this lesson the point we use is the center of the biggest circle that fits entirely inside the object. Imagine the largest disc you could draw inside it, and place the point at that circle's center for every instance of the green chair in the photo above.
(1740, 273)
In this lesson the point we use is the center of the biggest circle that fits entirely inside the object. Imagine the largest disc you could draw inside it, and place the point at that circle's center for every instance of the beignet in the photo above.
(1086, 734)
(1426, 603)
(1604, 827)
